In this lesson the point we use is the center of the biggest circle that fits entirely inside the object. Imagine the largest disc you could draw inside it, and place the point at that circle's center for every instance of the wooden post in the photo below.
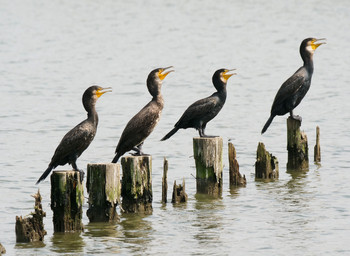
(298, 152)
(67, 197)
(266, 165)
(179, 193)
(236, 178)
(104, 188)
(137, 184)
(31, 229)
(165, 181)
(2, 249)
(317, 148)
(208, 157)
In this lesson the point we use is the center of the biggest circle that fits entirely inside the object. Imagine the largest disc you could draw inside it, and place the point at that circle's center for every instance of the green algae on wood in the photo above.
(236, 179)
(136, 192)
(31, 229)
(208, 157)
(266, 165)
(104, 189)
(67, 197)
(297, 146)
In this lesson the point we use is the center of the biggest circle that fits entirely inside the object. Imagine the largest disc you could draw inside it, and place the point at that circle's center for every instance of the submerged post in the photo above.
(104, 188)
(67, 197)
(31, 229)
(137, 184)
(208, 157)
(266, 165)
(165, 181)
(179, 193)
(317, 148)
(297, 146)
(236, 178)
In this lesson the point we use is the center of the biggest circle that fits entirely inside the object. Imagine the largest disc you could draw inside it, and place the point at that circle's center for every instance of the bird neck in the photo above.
(158, 98)
(308, 62)
(92, 115)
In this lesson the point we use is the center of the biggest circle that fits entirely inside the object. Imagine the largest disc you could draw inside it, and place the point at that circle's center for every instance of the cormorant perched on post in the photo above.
(202, 111)
(79, 138)
(294, 89)
(143, 123)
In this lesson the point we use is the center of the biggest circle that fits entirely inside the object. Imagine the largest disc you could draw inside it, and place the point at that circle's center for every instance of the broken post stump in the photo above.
(297, 146)
(2, 249)
(67, 197)
(165, 181)
(236, 178)
(317, 148)
(104, 188)
(31, 229)
(179, 193)
(266, 165)
(137, 184)
(208, 158)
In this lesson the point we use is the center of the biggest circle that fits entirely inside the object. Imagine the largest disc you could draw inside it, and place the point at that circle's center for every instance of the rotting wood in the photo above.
(317, 148)
(67, 197)
(179, 193)
(31, 229)
(266, 165)
(165, 181)
(104, 189)
(236, 179)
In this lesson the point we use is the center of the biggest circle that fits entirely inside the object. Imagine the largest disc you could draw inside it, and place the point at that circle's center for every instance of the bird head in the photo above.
(309, 45)
(155, 78)
(91, 95)
(221, 76)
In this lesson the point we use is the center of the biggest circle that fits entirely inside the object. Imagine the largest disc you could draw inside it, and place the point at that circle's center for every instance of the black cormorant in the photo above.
(79, 138)
(294, 89)
(202, 111)
(143, 123)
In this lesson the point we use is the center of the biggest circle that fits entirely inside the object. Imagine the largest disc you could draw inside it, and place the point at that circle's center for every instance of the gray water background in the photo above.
(51, 51)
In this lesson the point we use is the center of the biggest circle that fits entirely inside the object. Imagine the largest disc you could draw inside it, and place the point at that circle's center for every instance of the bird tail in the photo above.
(44, 175)
(116, 158)
(171, 133)
(269, 121)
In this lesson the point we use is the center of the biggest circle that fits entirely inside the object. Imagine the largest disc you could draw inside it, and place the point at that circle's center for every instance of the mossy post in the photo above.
(31, 229)
(137, 184)
(165, 181)
(236, 179)
(179, 193)
(266, 165)
(297, 146)
(208, 157)
(67, 197)
(104, 188)
(317, 148)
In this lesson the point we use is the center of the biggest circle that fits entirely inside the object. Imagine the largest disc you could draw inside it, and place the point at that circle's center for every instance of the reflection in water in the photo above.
(67, 242)
(37, 244)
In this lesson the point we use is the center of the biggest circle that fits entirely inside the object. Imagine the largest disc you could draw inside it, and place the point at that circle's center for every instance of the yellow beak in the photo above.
(227, 76)
(317, 42)
(162, 75)
(101, 91)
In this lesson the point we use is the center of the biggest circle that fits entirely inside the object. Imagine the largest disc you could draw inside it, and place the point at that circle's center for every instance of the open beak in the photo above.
(317, 42)
(162, 74)
(226, 75)
(101, 91)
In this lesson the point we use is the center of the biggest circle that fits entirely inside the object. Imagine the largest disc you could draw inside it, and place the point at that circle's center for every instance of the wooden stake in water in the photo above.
(104, 188)
(236, 178)
(266, 165)
(179, 193)
(297, 146)
(137, 184)
(317, 148)
(165, 182)
(67, 197)
(208, 157)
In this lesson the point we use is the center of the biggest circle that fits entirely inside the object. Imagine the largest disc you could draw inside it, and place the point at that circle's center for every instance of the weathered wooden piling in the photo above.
(104, 188)
(266, 165)
(31, 229)
(236, 179)
(165, 182)
(297, 146)
(137, 184)
(67, 197)
(179, 193)
(208, 158)
(317, 148)
(2, 249)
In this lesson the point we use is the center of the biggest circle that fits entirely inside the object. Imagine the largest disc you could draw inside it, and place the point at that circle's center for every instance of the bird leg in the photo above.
(202, 134)
(138, 150)
(75, 168)
(295, 117)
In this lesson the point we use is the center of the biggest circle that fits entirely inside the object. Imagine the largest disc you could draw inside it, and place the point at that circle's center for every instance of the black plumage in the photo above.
(143, 123)
(202, 111)
(295, 88)
(79, 138)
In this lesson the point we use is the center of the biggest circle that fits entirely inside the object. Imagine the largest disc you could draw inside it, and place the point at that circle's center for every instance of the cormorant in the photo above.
(143, 123)
(202, 111)
(294, 89)
(79, 138)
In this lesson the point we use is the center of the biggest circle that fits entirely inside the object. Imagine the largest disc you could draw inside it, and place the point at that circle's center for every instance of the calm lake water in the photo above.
(51, 51)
